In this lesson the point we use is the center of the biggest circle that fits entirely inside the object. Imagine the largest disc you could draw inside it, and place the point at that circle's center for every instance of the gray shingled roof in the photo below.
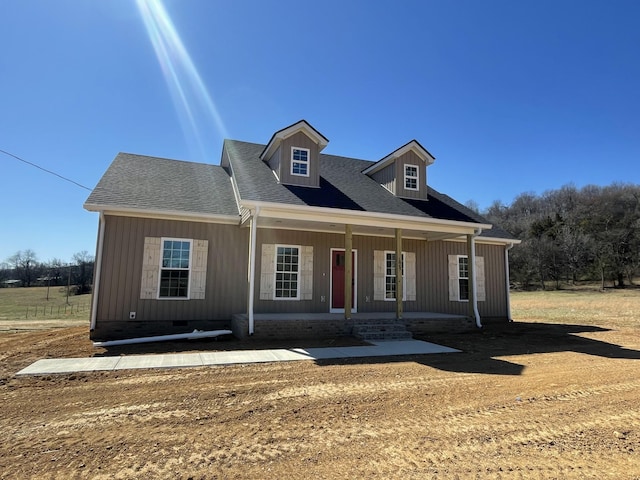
(160, 184)
(342, 185)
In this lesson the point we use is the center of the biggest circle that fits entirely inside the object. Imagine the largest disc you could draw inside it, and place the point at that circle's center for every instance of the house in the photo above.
(284, 240)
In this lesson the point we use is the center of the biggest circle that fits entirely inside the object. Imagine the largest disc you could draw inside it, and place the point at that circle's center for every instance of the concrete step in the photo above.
(374, 321)
(388, 327)
(385, 336)
(381, 329)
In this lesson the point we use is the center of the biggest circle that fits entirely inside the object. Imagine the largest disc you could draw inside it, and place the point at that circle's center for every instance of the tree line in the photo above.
(23, 269)
(571, 235)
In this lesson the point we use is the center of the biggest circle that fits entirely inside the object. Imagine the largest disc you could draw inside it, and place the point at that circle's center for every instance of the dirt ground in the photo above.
(524, 400)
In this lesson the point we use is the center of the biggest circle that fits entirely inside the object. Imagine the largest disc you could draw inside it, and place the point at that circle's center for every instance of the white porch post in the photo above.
(97, 273)
(399, 285)
(507, 282)
(348, 271)
(473, 286)
(252, 268)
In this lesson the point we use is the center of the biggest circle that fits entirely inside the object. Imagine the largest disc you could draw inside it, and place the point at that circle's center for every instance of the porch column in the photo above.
(252, 268)
(507, 281)
(348, 271)
(399, 285)
(473, 298)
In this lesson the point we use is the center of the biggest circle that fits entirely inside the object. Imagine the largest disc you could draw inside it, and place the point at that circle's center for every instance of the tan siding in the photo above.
(275, 162)
(321, 243)
(303, 141)
(387, 177)
(410, 158)
(495, 281)
(438, 277)
(226, 284)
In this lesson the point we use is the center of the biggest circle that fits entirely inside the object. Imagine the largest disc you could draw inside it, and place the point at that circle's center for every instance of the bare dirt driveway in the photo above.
(525, 400)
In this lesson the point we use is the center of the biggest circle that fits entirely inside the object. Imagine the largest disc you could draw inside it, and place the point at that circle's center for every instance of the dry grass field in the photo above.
(554, 395)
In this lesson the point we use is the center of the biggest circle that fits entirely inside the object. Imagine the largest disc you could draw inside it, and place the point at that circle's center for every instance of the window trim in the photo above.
(275, 273)
(306, 162)
(459, 278)
(415, 177)
(161, 268)
(404, 276)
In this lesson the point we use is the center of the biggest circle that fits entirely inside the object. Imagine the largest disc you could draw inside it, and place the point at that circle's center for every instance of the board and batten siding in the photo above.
(300, 140)
(322, 243)
(437, 276)
(411, 158)
(387, 177)
(276, 161)
(122, 270)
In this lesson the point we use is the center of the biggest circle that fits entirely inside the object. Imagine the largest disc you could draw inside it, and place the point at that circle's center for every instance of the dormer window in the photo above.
(411, 177)
(300, 161)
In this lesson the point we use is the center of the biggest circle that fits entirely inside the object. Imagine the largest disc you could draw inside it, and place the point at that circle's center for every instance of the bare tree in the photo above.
(24, 263)
(84, 261)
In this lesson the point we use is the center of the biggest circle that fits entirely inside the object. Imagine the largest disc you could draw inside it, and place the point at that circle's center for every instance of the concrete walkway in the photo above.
(181, 360)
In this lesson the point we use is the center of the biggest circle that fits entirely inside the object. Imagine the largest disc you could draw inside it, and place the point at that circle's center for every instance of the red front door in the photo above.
(337, 278)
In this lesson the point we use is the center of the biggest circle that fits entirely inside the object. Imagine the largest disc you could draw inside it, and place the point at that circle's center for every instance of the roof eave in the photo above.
(118, 210)
(334, 215)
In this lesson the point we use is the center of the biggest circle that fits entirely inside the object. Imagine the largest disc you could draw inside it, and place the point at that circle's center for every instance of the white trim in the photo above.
(161, 268)
(252, 268)
(119, 211)
(474, 278)
(275, 272)
(368, 219)
(306, 162)
(301, 126)
(458, 277)
(98, 271)
(416, 178)
(404, 276)
(412, 145)
(507, 280)
(354, 307)
(488, 241)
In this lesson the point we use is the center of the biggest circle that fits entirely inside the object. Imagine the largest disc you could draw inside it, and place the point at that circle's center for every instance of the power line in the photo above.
(45, 170)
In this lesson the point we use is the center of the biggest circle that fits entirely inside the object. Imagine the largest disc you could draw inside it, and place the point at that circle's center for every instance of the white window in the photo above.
(463, 278)
(287, 272)
(411, 177)
(300, 161)
(390, 284)
(459, 278)
(175, 268)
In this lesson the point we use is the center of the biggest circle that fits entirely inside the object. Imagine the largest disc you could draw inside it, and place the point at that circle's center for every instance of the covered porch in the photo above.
(388, 282)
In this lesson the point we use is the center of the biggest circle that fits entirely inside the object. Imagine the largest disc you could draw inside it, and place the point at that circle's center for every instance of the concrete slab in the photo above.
(182, 360)
(172, 360)
(70, 365)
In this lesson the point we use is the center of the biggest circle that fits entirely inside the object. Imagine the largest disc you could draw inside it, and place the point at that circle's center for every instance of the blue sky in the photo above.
(510, 96)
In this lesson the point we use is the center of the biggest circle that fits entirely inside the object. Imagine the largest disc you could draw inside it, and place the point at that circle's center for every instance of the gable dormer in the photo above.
(404, 171)
(293, 154)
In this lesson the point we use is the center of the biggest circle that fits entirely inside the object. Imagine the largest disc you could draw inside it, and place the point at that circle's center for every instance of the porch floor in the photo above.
(356, 316)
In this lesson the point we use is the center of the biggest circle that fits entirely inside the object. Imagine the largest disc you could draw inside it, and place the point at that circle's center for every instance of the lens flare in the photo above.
(196, 109)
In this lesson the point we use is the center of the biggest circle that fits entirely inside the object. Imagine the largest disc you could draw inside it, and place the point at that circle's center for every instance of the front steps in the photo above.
(381, 329)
